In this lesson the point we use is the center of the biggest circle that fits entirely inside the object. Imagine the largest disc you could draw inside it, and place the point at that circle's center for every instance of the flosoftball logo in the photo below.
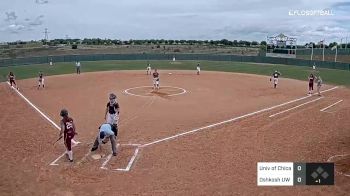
(324, 12)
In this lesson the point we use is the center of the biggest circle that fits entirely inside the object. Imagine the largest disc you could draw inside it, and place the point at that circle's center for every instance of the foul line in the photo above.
(287, 110)
(37, 109)
(230, 120)
(322, 110)
(46, 117)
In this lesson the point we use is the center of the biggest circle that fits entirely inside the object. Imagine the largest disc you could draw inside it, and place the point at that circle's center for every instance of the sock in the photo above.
(70, 155)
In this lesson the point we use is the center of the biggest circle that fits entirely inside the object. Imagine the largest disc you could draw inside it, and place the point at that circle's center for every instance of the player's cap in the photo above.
(64, 113)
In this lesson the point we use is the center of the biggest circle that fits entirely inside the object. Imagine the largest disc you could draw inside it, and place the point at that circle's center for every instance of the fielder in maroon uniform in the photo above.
(311, 83)
(155, 79)
(68, 130)
(12, 79)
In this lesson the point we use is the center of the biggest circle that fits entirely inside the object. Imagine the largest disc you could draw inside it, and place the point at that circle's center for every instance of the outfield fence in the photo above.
(196, 57)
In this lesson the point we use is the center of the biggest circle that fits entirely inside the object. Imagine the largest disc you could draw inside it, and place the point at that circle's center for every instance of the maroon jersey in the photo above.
(311, 80)
(155, 75)
(68, 127)
(11, 77)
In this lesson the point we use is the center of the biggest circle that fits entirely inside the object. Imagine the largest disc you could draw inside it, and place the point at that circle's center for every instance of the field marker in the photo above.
(126, 91)
(230, 120)
(106, 161)
(339, 155)
(128, 167)
(53, 163)
(131, 161)
(323, 110)
(287, 110)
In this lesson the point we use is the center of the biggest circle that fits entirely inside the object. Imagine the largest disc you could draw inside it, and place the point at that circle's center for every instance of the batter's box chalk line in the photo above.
(130, 163)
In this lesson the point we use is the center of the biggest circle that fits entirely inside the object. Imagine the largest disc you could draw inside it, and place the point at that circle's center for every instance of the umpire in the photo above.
(106, 131)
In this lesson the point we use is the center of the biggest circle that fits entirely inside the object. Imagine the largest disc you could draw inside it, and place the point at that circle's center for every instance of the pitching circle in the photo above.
(147, 91)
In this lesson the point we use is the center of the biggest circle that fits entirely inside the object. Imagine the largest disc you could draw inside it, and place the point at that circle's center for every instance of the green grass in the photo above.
(330, 76)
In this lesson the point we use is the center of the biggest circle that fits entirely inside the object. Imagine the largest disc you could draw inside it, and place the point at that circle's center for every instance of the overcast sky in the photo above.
(172, 19)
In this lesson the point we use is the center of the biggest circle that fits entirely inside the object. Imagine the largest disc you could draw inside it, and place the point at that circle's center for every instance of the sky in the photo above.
(174, 19)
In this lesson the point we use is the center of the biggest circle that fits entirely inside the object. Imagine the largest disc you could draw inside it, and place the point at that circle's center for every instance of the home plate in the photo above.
(97, 156)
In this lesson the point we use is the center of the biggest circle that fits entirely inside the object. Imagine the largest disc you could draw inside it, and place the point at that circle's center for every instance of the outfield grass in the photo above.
(330, 76)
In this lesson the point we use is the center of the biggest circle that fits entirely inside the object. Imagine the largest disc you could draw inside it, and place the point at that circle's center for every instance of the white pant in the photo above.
(41, 82)
(198, 69)
(275, 80)
(112, 118)
(155, 81)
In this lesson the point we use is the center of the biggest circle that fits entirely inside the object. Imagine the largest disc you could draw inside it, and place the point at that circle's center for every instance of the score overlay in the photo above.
(291, 174)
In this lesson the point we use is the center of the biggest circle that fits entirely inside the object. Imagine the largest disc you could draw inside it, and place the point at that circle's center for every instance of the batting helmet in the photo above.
(64, 112)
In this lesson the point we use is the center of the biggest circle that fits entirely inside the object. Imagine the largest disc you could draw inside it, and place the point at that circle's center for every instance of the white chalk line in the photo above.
(130, 163)
(126, 91)
(128, 167)
(43, 115)
(287, 110)
(322, 110)
(103, 166)
(53, 163)
(339, 155)
(230, 120)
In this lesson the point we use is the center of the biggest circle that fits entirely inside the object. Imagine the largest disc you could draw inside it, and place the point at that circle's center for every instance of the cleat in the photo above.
(93, 149)
(114, 154)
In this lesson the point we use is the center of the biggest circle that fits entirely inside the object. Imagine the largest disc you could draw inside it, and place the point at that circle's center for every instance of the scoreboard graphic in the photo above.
(291, 174)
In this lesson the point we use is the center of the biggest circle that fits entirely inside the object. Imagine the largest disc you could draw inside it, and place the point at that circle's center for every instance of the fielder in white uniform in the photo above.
(274, 78)
(198, 69)
(149, 69)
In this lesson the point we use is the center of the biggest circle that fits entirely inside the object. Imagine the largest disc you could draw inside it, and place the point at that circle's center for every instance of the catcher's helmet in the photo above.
(112, 96)
(64, 112)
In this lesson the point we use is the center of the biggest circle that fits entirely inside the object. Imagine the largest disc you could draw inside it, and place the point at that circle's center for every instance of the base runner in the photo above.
(68, 131)
(12, 79)
(311, 83)
(155, 80)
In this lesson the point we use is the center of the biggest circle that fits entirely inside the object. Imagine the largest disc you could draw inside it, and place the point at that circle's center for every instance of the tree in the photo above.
(263, 43)
(255, 43)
